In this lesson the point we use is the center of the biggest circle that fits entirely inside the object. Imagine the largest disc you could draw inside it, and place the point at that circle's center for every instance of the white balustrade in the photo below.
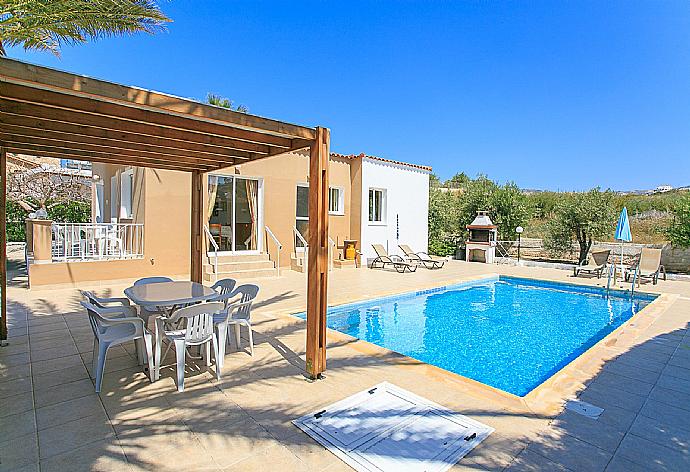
(97, 241)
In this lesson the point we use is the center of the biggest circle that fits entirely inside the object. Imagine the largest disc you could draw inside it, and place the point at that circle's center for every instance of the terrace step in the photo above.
(239, 266)
(229, 258)
(242, 274)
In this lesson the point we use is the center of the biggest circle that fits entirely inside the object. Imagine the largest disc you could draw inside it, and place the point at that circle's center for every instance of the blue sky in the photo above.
(554, 94)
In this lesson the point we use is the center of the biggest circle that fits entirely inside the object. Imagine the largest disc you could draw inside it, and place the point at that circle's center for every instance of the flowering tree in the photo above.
(46, 186)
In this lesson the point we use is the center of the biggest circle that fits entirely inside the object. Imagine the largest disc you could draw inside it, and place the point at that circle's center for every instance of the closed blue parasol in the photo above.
(623, 231)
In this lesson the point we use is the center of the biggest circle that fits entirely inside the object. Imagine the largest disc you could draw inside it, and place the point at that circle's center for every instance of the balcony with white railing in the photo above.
(74, 242)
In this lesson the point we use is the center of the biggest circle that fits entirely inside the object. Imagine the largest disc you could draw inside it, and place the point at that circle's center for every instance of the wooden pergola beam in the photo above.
(154, 145)
(12, 71)
(116, 123)
(124, 149)
(97, 108)
(3, 244)
(57, 153)
(116, 128)
(317, 271)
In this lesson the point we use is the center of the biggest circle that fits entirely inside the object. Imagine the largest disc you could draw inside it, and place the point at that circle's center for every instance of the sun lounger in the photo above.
(597, 264)
(649, 266)
(430, 262)
(382, 257)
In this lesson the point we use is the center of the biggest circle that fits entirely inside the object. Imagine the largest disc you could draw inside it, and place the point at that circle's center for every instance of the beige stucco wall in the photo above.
(166, 217)
(161, 201)
(281, 175)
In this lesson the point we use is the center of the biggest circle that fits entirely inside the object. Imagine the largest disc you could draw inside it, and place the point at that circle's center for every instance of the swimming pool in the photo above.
(507, 332)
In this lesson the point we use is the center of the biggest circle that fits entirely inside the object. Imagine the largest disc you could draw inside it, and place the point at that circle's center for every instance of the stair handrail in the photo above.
(300, 237)
(213, 242)
(279, 247)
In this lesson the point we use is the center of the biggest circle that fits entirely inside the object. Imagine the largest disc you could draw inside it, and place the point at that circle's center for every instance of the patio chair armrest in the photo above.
(137, 322)
(124, 311)
(396, 258)
(121, 300)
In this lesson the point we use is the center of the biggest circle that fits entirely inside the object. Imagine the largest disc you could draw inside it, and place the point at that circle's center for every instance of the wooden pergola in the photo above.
(51, 113)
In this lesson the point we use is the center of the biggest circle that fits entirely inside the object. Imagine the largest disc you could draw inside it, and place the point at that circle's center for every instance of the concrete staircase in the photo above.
(239, 266)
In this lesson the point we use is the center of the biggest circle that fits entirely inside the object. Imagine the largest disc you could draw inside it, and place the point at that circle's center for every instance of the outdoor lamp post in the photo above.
(519, 231)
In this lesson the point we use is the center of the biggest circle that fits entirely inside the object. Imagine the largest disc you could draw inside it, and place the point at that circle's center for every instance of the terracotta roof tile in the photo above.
(362, 156)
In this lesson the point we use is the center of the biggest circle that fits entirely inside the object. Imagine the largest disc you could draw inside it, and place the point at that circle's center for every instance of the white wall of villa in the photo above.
(404, 211)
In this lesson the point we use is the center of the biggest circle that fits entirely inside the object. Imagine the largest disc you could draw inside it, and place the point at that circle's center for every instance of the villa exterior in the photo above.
(256, 219)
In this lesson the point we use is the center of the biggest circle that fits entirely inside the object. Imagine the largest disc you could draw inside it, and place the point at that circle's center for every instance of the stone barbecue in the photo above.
(481, 245)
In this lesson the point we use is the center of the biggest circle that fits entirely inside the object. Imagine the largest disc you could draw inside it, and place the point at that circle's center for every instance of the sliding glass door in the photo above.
(235, 213)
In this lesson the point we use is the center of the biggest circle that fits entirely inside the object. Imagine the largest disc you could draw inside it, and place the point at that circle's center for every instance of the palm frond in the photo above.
(49, 24)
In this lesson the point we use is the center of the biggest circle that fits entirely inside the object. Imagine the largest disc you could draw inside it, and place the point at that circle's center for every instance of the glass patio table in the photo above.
(169, 295)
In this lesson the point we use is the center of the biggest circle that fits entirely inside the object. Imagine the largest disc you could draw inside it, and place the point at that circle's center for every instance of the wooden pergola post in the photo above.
(317, 269)
(197, 224)
(3, 244)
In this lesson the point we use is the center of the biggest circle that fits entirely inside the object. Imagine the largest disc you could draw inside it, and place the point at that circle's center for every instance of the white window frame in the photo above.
(383, 210)
(340, 210)
(127, 194)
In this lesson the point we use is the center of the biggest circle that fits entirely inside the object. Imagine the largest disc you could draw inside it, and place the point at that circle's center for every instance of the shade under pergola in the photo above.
(52, 113)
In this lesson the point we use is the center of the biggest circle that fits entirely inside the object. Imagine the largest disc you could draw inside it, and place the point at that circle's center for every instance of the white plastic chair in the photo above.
(224, 287)
(105, 302)
(111, 327)
(235, 314)
(196, 330)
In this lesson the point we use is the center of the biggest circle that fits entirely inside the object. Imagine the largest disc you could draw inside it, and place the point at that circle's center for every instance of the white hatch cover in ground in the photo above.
(387, 428)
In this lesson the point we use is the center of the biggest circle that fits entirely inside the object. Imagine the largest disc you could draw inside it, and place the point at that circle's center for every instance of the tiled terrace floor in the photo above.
(51, 419)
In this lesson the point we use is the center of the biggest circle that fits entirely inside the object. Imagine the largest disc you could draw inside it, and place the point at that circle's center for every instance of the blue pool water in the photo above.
(507, 332)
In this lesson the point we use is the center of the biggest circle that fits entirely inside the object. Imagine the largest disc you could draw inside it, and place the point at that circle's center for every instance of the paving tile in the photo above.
(668, 436)
(667, 414)
(530, 461)
(15, 372)
(671, 397)
(70, 410)
(101, 456)
(678, 372)
(57, 377)
(589, 430)
(614, 381)
(494, 453)
(277, 455)
(606, 395)
(56, 364)
(652, 456)
(63, 392)
(621, 464)
(47, 328)
(674, 383)
(633, 372)
(9, 388)
(571, 452)
(19, 452)
(20, 424)
(68, 436)
(50, 343)
(13, 360)
(17, 404)
(53, 353)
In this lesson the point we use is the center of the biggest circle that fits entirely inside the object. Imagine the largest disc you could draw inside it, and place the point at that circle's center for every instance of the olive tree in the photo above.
(581, 217)
(507, 205)
(679, 231)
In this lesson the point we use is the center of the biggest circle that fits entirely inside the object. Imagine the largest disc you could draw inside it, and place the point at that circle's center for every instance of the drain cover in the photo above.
(584, 409)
